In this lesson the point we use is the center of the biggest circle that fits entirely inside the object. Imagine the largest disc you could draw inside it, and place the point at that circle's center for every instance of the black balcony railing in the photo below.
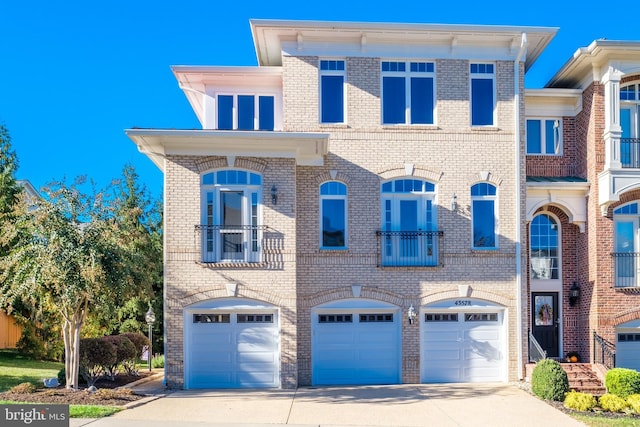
(409, 248)
(626, 269)
(230, 243)
(630, 152)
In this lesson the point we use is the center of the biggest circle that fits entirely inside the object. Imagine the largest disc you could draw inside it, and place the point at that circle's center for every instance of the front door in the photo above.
(545, 321)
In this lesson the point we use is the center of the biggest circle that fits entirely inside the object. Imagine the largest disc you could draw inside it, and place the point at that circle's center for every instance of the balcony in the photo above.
(626, 269)
(409, 248)
(630, 153)
(230, 243)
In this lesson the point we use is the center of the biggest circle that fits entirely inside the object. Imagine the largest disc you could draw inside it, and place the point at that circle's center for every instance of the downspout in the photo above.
(518, 237)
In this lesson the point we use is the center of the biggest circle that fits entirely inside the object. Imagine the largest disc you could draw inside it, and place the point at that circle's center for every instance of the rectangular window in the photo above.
(481, 317)
(370, 318)
(332, 78)
(246, 112)
(441, 317)
(335, 318)
(211, 318)
(255, 318)
(484, 224)
(544, 137)
(482, 94)
(408, 96)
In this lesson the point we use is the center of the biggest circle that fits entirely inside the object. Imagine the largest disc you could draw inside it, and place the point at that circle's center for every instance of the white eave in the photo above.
(193, 80)
(588, 63)
(308, 149)
(552, 102)
(569, 196)
(490, 42)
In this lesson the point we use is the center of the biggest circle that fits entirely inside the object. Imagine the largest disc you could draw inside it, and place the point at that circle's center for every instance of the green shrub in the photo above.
(612, 403)
(125, 350)
(549, 381)
(30, 344)
(634, 402)
(62, 377)
(23, 388)
(158, 361)
(622, 382)
(139, 341)
(95, 354)
(580, 401)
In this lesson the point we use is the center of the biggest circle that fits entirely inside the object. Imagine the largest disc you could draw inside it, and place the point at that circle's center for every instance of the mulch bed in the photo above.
(108, 394)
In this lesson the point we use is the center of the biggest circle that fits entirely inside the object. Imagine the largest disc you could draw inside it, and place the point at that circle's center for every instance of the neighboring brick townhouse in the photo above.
(382, 203)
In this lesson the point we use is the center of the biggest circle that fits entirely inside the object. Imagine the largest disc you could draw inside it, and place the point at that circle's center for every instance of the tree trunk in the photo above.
(71, 332)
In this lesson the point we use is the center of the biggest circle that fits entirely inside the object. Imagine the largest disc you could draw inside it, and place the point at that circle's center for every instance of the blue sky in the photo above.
(74, 74)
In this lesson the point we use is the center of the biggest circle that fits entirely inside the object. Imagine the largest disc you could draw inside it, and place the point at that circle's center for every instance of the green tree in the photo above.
(70, 255)
(138, 218)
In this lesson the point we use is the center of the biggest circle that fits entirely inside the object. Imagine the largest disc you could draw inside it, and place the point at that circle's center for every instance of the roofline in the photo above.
(292, 29)
(587, 56)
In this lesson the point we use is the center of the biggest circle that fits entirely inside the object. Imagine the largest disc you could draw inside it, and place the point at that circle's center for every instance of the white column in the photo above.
(612, 129)
(209, 110)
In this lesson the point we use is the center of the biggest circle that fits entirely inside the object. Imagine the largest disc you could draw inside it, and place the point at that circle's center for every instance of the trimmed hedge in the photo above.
(580, 401)
(613, 403)
(125, 350)
(634, 402)
(622, 382)
(95, 354)
(549, 381)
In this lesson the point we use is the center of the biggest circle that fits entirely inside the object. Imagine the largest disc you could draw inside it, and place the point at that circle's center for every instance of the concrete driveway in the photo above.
(397, 405)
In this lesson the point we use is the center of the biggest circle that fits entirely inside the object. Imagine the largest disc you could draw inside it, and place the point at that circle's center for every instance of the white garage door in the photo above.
(628, 345)
(232, 348)
(463, 343)
(359, 345)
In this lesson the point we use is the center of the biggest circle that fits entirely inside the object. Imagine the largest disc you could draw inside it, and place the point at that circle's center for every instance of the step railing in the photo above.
(604, 352)
(536, 352)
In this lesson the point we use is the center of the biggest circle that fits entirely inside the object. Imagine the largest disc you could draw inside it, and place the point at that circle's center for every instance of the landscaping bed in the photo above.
(108, 393)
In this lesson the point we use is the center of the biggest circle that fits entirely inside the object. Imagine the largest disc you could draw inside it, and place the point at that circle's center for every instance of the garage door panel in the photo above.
(443, 354)
(459, 346)
(628, 350)
(227, 354)
(365, 350)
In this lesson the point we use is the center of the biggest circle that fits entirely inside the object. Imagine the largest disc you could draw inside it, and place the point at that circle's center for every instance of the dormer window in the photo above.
(245, 112)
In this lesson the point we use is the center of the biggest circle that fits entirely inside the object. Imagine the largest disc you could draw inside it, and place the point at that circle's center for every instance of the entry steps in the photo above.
(585, 378)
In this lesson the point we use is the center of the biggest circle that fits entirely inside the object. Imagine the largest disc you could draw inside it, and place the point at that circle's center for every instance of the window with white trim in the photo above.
(483, 94)
(483, 213)
(626, 242)
(408, 92)
(630, 124)
(409, 233)
(332, 88)
(245, 112)
(333, 215)
(231, 216)
(544, 253)
(544, 136)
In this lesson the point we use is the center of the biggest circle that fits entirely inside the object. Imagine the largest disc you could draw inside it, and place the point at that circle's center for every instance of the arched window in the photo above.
(231, 216)
(409, 222)
(544, 250)
(483, 212)
(333, 215)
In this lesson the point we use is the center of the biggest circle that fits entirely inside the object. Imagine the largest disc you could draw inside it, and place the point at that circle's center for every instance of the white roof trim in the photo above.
(552, 102)
(272, 37)
(571, 197)
(308, 149)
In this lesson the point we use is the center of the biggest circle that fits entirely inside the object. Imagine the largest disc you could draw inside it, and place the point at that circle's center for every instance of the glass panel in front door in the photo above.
(409, 223)
(545, 321)
(625, 247)
(231, 230)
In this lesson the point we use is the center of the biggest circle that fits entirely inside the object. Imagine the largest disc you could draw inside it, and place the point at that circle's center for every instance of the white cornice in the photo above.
(552, 102)
(571, 197)
(308, 149)
(273, 37)
(589, 63)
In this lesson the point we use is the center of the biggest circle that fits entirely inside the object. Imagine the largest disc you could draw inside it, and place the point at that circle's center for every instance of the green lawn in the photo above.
(15, 369)
(79, 411)
(601, 421)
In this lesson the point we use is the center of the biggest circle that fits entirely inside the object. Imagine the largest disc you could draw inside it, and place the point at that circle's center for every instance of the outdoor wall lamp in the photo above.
(411, 314)
(274, 194)
(454, 202)
(150, 317)
(574, 294)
